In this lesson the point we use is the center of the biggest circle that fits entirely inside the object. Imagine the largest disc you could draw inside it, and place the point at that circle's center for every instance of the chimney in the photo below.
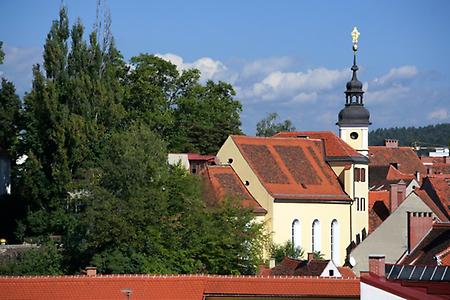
(91, 271)
(419, 223)
(377, 265)
(391, 143)
(398, 194)
(272, 263)
(310, 256)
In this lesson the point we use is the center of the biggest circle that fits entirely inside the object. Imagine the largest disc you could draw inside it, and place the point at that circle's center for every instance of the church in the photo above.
(311, 186)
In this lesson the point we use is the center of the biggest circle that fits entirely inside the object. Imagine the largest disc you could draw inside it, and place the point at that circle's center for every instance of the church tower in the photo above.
(353, 119)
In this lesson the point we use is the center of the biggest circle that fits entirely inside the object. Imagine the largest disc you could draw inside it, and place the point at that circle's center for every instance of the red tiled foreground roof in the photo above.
(335, 147)
(405, 158)
(173, 287)
(226, 182)
(291, 168)
(409, 289)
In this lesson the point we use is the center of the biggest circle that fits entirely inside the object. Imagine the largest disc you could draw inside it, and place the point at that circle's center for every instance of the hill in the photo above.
(431, 135)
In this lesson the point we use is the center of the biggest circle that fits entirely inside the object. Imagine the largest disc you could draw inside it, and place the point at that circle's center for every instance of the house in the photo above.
(309, 267)
(404, 159)
(397, 236)
(394, 173)
(193, 162)
(313, 185)
(174, 287)
(388, 187)
(396, 281)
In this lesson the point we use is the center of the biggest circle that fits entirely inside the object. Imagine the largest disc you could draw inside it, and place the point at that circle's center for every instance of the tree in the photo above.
(2, 54)
(43, 260)
(268, 127)
(157, 221)
(9, 116)
(189, 116)
(278, 252)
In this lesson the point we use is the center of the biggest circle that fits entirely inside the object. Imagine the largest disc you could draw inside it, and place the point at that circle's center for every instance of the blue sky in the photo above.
(289, 57)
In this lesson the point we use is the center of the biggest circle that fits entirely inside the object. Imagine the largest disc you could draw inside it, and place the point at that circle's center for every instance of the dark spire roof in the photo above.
(354, 113)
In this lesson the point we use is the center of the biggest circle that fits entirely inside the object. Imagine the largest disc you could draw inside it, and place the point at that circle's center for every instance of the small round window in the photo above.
(354, 135)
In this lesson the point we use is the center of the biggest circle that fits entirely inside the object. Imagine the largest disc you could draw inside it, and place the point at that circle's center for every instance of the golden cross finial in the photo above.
(355, 36)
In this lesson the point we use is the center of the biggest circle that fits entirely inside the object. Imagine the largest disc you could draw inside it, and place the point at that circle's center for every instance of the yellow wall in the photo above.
(285, 213)
(245, 173)
(360, 144)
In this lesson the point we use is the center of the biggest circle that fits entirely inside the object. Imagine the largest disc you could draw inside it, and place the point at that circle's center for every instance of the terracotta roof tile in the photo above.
(434, 242)
(291, 168)
(441, 168)
(409, 289)
(335, 147)
(172, 287)
(406, 159)
(438, 189)
(379, 208)
(226, 182)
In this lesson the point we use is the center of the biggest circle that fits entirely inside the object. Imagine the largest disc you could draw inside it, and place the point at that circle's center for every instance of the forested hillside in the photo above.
(432, 135)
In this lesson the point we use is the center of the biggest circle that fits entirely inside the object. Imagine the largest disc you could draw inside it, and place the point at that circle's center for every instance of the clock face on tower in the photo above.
(354, 135)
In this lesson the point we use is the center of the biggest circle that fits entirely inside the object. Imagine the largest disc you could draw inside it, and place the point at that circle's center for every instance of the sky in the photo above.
(288, 57)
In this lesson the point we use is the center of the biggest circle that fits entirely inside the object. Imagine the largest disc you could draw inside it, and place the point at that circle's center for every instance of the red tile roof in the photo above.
(438, 211)
(226, 182)
(435, 242)
(406, 159)
(335, 147)
(196, 156)
(409, 289)
(438, 188)
(172, 287)
(291, 168)
(440, 168)
(379, 208)
(382, 176)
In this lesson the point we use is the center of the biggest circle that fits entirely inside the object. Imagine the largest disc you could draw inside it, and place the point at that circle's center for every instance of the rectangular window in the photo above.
(363, 175)
(357, 175)
(357, 203)
(363, 204)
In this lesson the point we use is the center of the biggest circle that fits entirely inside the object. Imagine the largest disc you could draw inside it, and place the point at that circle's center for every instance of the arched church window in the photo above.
(316, 241)
(295, 234)
(335, 242)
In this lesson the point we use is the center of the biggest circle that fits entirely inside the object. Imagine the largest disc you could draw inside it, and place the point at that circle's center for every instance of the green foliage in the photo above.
(96, 134)
(268, 127)
(9, 116)
(278, 252)
(44, 260)
(432, 135)
(2, 54)
(318, 255)
(191, 117)
(157, 221)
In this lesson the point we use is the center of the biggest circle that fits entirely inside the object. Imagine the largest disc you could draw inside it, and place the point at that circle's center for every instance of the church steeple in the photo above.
(353, 119)
(354, 112)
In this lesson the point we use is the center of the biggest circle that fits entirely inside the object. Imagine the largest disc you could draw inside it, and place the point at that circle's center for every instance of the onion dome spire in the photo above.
(354, 112)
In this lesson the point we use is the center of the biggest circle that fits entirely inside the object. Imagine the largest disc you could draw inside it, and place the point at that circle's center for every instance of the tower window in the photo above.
(354, 135)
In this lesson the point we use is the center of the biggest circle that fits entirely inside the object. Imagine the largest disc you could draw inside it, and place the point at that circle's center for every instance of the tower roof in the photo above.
(354, 113)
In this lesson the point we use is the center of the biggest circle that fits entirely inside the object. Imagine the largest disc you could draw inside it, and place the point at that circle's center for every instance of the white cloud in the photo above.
(439, 114)
(290, 85)
(266, 66)
(396, 74)
(393, 93)
(18, 64)
(209, 68)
